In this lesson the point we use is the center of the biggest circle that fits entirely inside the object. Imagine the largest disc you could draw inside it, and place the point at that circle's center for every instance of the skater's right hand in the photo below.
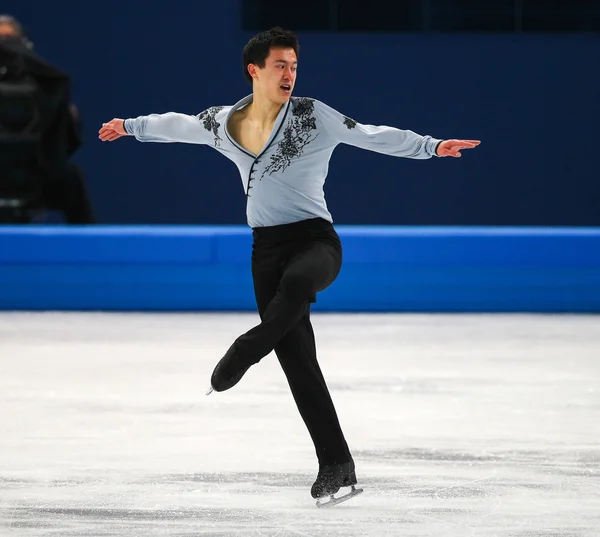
(112, 130)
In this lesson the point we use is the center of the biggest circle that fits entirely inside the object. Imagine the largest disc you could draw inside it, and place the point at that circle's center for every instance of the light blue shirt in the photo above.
(284, 182)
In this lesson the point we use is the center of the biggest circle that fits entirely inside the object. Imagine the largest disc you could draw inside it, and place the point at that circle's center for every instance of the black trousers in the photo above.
(291, 263)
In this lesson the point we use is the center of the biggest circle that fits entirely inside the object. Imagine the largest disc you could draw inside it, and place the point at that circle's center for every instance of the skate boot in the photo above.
(329, 481)
(228, 372)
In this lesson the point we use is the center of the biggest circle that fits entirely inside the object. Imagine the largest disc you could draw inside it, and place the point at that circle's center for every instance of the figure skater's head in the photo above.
(270, 63)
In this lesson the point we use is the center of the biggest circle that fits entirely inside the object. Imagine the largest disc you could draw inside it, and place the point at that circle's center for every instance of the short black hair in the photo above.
(258, 48)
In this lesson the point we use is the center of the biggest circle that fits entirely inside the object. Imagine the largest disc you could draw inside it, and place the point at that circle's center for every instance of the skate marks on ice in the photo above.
(185, 505)
(460, 426)
(525, 493)
(406, 493)
(253, 504)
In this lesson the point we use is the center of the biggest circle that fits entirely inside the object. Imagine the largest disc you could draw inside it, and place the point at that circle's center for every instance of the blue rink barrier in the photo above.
(396, 269)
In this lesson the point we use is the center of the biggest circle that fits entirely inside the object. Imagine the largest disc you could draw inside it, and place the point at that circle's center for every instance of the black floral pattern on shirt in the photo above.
(300, 131)
(350, 123)
(210, 123)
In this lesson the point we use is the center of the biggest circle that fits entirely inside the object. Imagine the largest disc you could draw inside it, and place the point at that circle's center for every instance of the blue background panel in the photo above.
(531, 98)
(204, 268)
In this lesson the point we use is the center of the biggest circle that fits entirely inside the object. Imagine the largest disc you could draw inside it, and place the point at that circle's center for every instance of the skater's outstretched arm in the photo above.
(386, 140)
(169, 127)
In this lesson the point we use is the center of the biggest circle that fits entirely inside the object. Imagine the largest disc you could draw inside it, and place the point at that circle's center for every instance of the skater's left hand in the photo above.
(451, 148)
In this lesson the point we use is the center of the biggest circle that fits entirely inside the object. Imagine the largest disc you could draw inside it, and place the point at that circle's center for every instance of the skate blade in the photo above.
(335, 501)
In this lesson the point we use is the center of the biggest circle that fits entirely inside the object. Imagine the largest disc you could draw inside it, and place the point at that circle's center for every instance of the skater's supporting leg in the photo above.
(298, 358)
(296, 351)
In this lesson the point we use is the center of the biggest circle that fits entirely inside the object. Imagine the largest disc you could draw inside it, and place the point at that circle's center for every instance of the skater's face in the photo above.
(277, 78)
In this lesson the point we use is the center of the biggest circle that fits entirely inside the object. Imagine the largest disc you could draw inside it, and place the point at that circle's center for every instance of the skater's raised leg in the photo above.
(291, 264)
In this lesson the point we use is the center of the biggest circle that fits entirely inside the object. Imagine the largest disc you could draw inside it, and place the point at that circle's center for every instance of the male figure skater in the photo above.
(282, 146)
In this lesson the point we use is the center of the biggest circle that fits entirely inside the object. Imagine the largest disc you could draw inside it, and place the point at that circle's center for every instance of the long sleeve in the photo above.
(175, 127)
(381, 139)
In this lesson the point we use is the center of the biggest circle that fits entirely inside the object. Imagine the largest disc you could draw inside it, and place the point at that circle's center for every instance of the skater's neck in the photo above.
(262, 110)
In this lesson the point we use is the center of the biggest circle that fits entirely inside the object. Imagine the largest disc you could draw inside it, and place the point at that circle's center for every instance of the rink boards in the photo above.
(204, 268)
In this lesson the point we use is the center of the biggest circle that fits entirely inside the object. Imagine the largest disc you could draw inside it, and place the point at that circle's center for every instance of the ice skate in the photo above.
(227, 373)
(329, 481)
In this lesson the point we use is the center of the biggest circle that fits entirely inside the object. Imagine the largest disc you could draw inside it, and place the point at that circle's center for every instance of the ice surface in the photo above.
(460, 425)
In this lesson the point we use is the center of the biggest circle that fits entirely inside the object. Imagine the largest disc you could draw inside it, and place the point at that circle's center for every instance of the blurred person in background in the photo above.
(40, 130)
